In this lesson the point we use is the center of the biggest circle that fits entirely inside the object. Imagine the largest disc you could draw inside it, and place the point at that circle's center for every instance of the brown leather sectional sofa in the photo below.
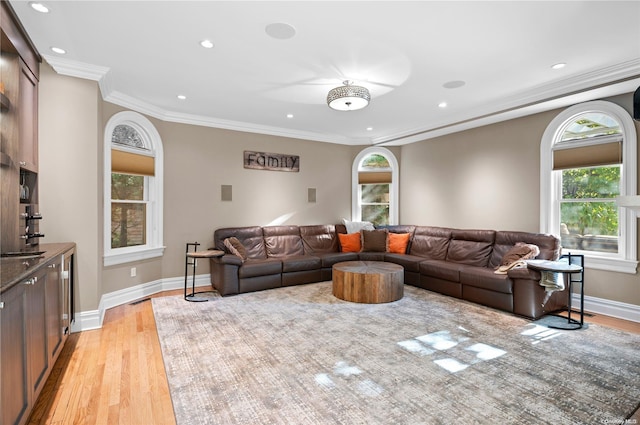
(455, 262)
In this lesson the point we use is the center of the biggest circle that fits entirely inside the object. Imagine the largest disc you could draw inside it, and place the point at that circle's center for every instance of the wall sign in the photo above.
(271, 161)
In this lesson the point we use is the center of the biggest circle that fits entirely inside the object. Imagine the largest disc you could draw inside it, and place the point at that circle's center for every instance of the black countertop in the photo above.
(13, 270)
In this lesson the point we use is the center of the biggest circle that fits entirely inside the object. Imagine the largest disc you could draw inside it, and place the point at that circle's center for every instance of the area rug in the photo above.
(298, 355)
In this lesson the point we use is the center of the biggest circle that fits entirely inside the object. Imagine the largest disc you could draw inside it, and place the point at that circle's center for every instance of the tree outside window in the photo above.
(128, 210)
(375, 184)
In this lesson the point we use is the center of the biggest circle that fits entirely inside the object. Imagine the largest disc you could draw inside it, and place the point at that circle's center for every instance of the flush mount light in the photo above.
(348, 97)
(39, 7)
(58, 50)
(207, 44)
(559, 65)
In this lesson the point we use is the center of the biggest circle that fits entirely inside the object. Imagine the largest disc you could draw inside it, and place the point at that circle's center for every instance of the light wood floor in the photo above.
(115, 375)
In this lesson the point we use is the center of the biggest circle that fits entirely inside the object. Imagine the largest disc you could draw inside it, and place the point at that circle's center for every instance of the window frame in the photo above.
(153, 191)
(625, 261)
(356, 195)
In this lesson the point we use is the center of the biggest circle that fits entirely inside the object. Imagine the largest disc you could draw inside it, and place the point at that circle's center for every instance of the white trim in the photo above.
(93, 319)
(607, 307)
(393, 190)
(151, 138)
(626, 260)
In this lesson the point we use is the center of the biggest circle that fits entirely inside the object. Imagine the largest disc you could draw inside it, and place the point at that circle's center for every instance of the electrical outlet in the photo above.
(133, 272)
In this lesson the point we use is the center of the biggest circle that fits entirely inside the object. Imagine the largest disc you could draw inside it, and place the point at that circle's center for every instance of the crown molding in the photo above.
(610, 81)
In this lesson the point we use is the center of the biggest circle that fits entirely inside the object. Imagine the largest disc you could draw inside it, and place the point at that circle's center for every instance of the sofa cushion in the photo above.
(374, 240)
(296, 263)
(250, 237)
(471, 247)
(281, 241)
(411, 263)
(430, 242)
(330, 258)
(441, 269)
(485, 278)
(349, 242)
(397, 243)
(319, 239)
(254, 268)
(235, 247)
(549, 245)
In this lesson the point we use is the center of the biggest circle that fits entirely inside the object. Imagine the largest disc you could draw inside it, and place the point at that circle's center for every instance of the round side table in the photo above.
(191, 259)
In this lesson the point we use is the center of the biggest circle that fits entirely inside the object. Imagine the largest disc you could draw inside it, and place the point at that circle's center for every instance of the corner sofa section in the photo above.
(454, 262)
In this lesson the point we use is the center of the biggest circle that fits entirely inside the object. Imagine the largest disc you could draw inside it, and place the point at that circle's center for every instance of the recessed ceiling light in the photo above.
(182, 97)
(280, 31)
(58, 50)
(442, 105)
(559, 65)
(369, 128)
(453, 84)
(289, 115)
(207, 44)
(39, 7)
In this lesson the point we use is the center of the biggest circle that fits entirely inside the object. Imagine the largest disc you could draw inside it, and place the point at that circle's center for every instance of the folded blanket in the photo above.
(552, 281)
(516, 256)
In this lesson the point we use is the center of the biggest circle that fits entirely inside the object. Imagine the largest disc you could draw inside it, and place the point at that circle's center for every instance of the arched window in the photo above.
(587, 159)
(375, 187)
(132, 189)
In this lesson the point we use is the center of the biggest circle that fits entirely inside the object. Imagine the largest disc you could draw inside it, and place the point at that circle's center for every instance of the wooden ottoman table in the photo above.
(371, 282)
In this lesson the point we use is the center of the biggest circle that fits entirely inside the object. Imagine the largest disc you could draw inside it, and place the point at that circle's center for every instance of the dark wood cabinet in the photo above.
(28, 119)
(13, 357)
(34, 324)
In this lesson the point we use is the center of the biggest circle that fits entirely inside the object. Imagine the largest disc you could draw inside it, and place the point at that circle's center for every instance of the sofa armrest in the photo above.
(524, 273)
(224, 273)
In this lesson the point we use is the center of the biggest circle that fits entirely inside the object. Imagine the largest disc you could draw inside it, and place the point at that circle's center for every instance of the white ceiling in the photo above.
(145, 53)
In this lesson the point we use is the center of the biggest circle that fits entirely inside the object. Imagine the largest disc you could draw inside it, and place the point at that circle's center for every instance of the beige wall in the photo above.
(69, 179)
(489, 178)
(482, 178)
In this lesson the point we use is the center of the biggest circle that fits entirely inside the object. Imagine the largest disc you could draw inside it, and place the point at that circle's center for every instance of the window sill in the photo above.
(129, 256)
(610, 264)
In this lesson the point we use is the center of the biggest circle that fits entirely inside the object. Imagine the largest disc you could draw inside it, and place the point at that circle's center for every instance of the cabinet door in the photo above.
(14, 387)
(36, 318)
(28, 119)
(54, 310)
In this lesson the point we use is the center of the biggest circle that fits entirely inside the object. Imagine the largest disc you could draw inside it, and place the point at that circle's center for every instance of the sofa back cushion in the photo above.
(319, 239)
(430, 242)
(471, 247)
(281, 241)
(549, 245)
(250, 237)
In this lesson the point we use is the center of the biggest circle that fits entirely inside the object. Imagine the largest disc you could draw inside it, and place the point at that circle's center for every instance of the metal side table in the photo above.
(191, 259)
(573, 267)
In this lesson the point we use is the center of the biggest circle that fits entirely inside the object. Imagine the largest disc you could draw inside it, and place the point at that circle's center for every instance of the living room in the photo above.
(485, 177)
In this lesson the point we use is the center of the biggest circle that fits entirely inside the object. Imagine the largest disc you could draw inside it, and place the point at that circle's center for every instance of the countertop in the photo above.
(13, 270)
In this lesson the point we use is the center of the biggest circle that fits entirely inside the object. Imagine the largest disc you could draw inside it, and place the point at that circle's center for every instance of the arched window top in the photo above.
(374, 184)
(590, 125)
(374, 162)
(126, 135)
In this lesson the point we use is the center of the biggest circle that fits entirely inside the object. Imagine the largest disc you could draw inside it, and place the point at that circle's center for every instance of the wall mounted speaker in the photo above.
(636, 104)
(311, 194)
(225, 192)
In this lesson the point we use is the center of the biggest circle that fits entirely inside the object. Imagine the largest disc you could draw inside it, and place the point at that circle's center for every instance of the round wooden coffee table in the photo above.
(370, 282)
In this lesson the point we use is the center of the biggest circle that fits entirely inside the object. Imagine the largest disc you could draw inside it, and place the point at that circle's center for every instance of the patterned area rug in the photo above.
(298, 355)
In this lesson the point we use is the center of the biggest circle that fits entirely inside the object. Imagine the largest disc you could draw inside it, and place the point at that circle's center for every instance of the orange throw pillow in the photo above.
(398, 242)
(349, 242)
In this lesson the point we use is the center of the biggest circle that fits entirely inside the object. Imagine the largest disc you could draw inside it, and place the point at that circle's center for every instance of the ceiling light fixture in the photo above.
(559, 65)
(182, 97)
(207, 44)
(58, 50)
(348, 97)
(442, 105)
(39, 7)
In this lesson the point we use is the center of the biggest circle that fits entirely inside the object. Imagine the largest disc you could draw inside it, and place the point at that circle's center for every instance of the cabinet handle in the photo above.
(31, 280)
(1, 304)
(52, 266)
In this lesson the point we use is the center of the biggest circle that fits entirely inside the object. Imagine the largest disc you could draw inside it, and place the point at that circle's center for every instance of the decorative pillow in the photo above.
(516, 257)
(356, 226)
(374, 240)
(235, 247)
(398, 242)
(349, 242)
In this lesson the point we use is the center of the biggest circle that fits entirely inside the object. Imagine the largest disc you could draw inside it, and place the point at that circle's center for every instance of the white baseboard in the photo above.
(608, 307)
(87, 320)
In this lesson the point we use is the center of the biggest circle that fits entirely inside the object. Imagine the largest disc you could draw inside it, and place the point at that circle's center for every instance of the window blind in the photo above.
(132, 163)
(374, 177)
(587, 155)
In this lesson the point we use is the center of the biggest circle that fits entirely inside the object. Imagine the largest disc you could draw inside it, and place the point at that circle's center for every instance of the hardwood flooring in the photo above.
(115, 375)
